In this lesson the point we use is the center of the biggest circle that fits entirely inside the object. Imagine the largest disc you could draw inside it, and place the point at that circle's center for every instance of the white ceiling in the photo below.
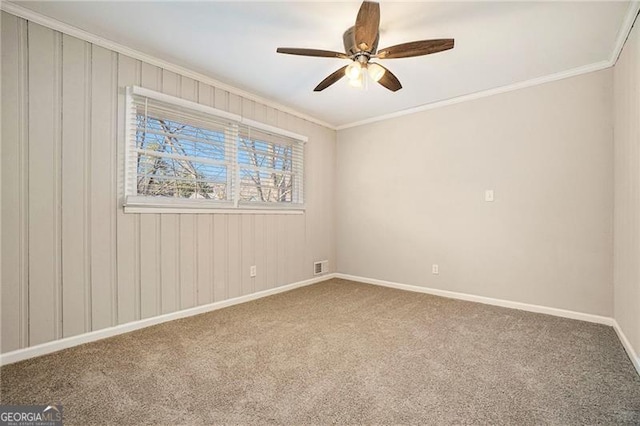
(497, 44)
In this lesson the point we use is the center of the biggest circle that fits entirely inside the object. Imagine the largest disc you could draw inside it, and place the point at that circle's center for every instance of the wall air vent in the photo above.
(320, 267)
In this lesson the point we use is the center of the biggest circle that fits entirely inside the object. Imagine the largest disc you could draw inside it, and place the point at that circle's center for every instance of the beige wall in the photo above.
(410, 193)
(72, 261)
(627, 190)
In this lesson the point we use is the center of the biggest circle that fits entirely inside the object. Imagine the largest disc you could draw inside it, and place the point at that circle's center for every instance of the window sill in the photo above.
(186, 207)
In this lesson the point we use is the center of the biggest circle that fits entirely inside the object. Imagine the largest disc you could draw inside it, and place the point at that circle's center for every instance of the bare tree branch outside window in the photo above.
(182, 160)
(180, 174)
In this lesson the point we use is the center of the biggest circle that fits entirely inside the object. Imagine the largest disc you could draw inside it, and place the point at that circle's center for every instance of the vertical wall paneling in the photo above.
(272, 116)
(204, 241)
(260, 112)
(248, 107)
(169, 261)
(14, 230)
(220, 257)
(127, 224)
(113, 208)
(151, 78)
(221, 99)
(248, 260)
(271, 250)
(149, 265)
(57, 185)
(103, 68)
(76, 127)
(297, 247)
(282, 274)
(44, 138)
(259, 253)
(329, 196)
(188, 254)
(72, 260)
(206, 94)
(234, 103)
(234, 256)
(23, 178)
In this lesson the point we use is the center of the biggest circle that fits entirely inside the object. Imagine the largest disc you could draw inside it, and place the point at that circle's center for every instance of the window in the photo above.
(183, 155)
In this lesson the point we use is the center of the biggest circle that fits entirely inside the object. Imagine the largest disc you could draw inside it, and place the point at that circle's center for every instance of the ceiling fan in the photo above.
(361, 44)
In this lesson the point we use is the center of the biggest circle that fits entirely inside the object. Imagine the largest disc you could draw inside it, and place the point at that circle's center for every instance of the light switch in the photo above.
(488, 195)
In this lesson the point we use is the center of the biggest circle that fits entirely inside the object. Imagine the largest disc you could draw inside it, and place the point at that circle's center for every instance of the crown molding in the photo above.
(625, 29)
(485, 93)
(623, 34)
(70, 30)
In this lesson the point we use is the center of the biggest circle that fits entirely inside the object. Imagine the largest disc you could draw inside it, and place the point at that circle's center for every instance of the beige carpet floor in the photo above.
(346, 353)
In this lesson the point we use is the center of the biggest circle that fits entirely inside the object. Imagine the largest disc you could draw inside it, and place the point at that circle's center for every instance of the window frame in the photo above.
(134, 203)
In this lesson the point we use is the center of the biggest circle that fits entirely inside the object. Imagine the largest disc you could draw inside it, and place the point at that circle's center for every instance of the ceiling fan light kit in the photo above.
(376, 72)
(353, 70)
(361, 45)
(358, 83)
(358, 73)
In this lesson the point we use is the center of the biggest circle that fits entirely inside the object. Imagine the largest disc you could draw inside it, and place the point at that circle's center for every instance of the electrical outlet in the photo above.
(252, 271)
(435, 269)
(488, 195)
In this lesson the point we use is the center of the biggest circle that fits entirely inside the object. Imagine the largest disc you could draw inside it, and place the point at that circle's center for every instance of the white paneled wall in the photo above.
(72, 260)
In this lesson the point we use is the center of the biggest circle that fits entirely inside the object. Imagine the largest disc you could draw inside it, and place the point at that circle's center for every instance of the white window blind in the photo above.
(270, 168)
(183, 154)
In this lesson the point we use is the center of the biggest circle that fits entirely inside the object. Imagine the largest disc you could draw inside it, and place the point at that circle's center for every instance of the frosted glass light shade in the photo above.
(375, 71)
(353, 70)
(357, 82)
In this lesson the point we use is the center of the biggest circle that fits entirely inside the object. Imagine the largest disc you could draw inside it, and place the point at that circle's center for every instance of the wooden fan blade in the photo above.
(330, 80)
(367, 24)
(311, 52)
(390, 81)
(416, 48)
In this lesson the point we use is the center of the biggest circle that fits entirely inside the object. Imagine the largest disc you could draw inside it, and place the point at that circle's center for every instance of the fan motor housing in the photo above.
(349, 40)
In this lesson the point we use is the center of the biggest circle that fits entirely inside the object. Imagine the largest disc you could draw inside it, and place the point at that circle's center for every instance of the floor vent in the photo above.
(320, 267)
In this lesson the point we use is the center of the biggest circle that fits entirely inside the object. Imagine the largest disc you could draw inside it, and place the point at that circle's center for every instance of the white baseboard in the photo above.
(57, 345)
(68, 342)
(635, 358)
(486, 300)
